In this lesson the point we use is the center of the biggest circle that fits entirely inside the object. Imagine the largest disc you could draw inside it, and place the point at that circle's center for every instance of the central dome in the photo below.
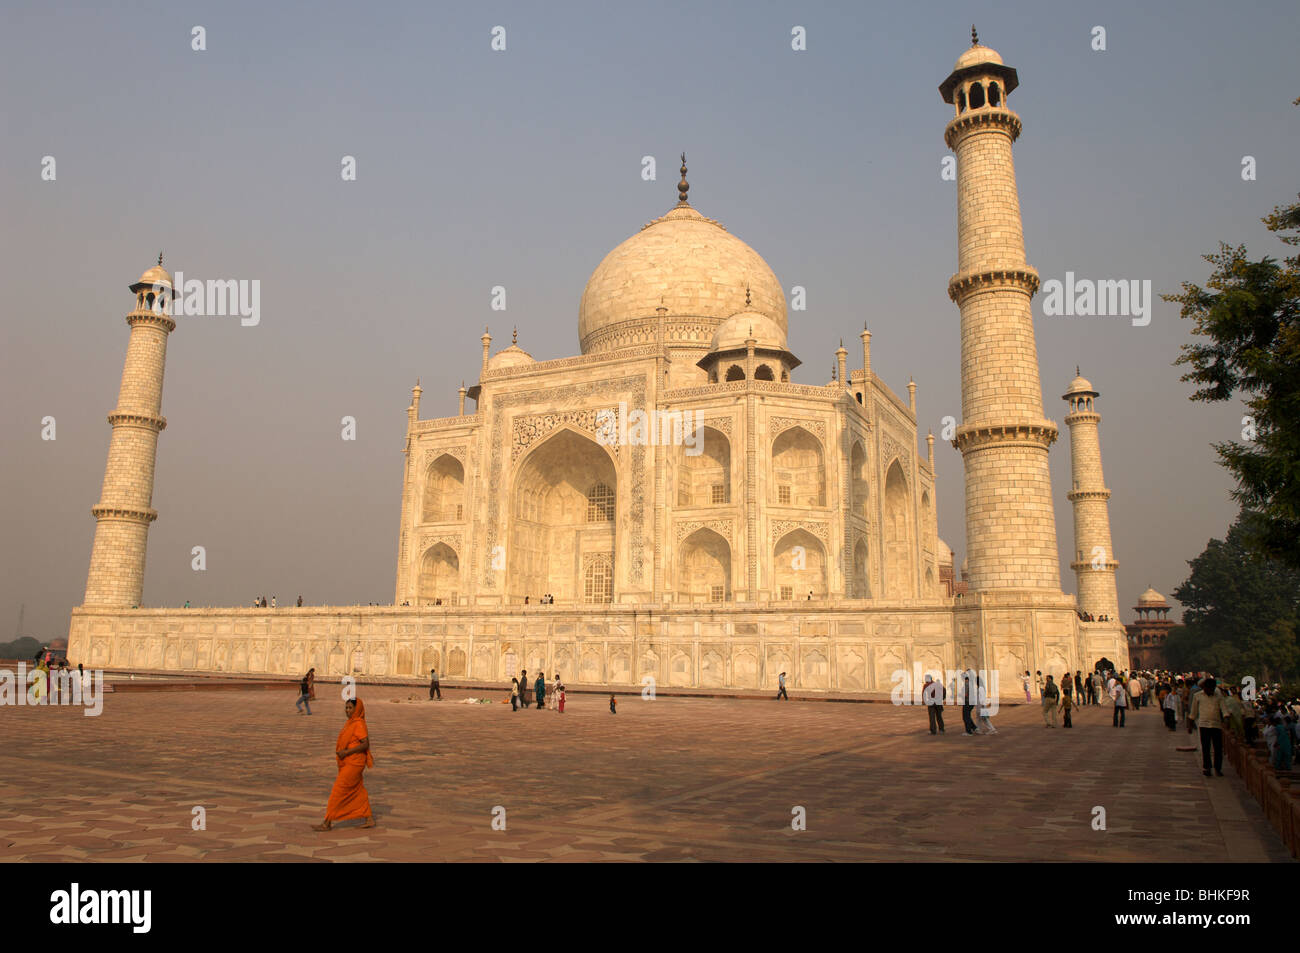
(683, 262)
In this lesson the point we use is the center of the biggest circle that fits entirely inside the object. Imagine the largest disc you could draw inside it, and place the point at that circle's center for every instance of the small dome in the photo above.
(1151, 598)
(1080, 385)
(733, 332)
(946, 555)
(977, 56)
(157, 275)
(512, 356)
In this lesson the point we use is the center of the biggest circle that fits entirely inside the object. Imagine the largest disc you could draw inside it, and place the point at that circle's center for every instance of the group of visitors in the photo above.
(973, 696)
(260, 603)
(546, 600)
(1090, 617)
(519, 692)
(52, 676)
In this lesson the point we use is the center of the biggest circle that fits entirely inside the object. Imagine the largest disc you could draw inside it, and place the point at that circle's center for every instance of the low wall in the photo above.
(844, 648)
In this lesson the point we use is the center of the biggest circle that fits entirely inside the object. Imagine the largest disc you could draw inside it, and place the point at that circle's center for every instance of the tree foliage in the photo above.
(1249, 312)
(1241, 609)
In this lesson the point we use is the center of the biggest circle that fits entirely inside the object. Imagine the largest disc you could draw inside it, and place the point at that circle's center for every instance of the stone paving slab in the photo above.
(672, 779)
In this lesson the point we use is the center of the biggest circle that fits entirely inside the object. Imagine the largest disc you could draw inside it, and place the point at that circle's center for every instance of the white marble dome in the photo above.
(686, 263)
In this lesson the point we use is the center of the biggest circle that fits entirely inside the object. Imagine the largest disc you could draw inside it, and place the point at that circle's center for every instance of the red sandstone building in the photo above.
(1146, 636)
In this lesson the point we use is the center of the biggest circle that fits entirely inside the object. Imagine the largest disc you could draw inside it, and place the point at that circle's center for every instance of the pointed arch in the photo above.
(439, 576)
(799, 566)
(704, 478)
(860, 477)
(798, 469)
(898, 535)
(704, 568)
(566, 498)
(444, 491)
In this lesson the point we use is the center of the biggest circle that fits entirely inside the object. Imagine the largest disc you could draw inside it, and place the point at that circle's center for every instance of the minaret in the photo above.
(1094, 561)
(1003, 437)
(124, 513)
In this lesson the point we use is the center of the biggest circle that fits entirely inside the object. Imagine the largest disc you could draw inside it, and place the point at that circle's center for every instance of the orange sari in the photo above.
(348, 798)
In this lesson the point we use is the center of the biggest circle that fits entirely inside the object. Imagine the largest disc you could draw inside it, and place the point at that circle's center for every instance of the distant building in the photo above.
(1146, 636)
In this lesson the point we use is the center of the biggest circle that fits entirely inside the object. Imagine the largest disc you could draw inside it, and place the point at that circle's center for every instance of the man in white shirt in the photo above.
(1119, 695)
(1135, 691)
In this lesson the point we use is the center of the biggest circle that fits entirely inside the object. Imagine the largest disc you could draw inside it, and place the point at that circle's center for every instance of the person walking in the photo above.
(967, 705)
(559, 692)
(540, 688)
(1169, 705)
(1026, 680)
(1051, 700)
(1119, 695)
(613, 704)
(1135, 690)
(514, 693)
(304, 692)
(780, 688)
(1247, 717)
(933, 695)
(348, 798)
(1078, 688)
(1209, 713)
(1067, 704)
(985, 725)
(435, 688)
(1282, 747)
(1038, 683)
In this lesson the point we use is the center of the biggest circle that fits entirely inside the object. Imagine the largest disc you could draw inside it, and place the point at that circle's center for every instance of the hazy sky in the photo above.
(522, 168)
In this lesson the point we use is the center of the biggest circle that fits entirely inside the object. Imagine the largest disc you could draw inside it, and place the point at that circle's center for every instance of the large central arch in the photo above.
(563, 532)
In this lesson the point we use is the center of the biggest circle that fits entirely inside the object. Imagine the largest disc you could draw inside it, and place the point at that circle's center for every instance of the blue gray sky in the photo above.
(522, 168)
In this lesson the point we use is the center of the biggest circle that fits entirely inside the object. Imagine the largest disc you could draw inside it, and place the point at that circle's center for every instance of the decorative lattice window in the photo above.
(783, 494)
(718, 494)
(598, 579)
(787, 593)
(600, 504)
(717, 593)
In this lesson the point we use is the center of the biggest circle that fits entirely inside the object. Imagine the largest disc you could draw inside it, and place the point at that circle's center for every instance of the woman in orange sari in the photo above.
(348, 798)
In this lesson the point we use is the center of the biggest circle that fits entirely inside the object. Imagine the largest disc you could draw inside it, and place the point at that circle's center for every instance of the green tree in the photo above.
(1250, 312)
(1241, 609)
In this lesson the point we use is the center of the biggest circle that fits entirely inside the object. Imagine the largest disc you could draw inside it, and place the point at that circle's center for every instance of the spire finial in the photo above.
(683, 186)
(1076, 371)
(746, 297)
(514, 335)
(974, 37)
(160, 258)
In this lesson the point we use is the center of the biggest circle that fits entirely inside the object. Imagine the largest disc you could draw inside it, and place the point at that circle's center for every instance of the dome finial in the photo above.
(160, 258)
(1077, 372)
(514, 335)
(974, 37)
(683, 186)
(747, 297)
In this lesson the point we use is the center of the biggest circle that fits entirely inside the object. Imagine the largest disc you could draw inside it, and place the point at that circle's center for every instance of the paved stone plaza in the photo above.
(669, 779)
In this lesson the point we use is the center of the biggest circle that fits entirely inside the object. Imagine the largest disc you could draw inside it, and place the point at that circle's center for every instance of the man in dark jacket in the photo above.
(932, 695)
(304, 692)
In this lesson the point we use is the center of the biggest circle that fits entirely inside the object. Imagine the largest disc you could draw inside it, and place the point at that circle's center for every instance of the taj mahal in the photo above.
(792, 530)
